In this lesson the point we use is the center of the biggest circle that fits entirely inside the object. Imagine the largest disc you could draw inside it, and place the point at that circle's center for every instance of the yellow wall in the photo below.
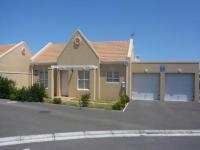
(16, 66)
(112, 90)
(83, 55)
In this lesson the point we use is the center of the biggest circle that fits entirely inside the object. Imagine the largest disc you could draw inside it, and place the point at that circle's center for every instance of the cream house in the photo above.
(15, 63)
(109, 69)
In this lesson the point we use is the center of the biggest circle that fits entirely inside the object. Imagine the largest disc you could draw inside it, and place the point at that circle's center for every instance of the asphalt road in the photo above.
(35, 118)
(139, 143)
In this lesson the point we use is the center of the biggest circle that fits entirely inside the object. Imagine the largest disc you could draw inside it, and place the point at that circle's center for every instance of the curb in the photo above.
(125, 107)
(5, 141)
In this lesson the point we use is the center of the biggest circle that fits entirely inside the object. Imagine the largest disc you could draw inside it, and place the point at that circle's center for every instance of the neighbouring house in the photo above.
(109, 69)
(15, 63)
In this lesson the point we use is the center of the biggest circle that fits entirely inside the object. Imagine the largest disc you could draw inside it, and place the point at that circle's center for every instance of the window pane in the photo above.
(81, 84)
(109, 80)
(116, 74)
(46, 75)
(80, 75)
(116, 80)
(109, 74)
(87, 74)
(87, 84)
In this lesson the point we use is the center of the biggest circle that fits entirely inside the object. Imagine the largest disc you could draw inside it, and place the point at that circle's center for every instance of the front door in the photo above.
(64, 83)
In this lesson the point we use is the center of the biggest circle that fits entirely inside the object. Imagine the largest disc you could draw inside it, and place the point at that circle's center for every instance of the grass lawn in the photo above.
(92, 104)
(100, 104)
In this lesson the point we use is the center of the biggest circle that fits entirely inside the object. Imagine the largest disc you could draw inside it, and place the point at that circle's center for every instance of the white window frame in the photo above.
(113, 79)
(84, 79)
(44, 79)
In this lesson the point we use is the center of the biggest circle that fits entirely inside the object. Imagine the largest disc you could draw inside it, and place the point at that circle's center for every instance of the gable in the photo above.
(5, 48)
(16, 59)
(78, 54)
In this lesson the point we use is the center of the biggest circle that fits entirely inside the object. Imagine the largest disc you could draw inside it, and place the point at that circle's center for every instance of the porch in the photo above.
(71, 81)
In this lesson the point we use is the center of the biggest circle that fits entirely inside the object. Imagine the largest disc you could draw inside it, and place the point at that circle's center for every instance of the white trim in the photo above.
(126, 79)
(12, 48)
(83, 89)
(130, 48)
(41, 50)
(94, 74)
(112, 82)
(114, 62)
(79, 89)
(43, 62)
(15, 72)
(76, 67)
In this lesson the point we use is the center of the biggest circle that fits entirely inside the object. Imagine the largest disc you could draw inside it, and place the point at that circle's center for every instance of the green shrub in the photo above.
(6, 87)
(56, 101)
(124, 99)
(84, 101)
(117, 106)
(36, 93)
(23, 94)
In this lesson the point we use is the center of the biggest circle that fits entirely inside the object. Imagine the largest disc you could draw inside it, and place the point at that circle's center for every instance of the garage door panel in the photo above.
(145, 86)
(179, 87)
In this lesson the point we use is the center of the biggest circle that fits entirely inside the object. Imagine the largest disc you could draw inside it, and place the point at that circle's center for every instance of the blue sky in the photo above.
(165, 30)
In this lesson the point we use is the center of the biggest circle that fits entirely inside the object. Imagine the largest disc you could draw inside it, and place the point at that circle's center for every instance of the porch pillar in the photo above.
(94, 88)
(50, 83)
(58, 83)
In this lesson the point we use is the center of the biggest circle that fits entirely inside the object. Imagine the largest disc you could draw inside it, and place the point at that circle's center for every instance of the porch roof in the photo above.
(76, 67)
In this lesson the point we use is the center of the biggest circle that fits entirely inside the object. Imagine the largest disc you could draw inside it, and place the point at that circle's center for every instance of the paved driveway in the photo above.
(36, 118)
(164, 115)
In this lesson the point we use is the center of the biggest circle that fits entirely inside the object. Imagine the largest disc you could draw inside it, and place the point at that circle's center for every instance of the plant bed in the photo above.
(121, 104)
(99, 104)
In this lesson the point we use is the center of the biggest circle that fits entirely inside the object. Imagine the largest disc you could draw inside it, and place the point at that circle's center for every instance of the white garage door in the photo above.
(145, 86)
(179, 87)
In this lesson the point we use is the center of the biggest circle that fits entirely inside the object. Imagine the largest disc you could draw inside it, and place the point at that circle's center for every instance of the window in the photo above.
(83, 80)
(43, 78)
(112, 76)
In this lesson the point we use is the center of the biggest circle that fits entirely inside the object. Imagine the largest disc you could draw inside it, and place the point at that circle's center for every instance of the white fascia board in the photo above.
(14, 72)
(130, 50)
(11, 49)
(40, 51)
(43, 63)
(67, 67)
(115, 62)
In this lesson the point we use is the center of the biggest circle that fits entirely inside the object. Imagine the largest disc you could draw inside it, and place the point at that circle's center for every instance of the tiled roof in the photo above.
(107, 51)
(5, 48)
(49, 54)
(112, 51)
